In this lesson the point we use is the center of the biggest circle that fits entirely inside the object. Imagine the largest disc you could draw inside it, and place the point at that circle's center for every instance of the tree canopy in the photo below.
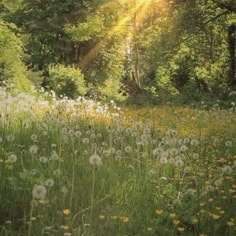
(124, 48)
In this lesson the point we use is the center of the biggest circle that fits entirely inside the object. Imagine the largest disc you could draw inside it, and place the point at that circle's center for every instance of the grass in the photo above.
(79, 168)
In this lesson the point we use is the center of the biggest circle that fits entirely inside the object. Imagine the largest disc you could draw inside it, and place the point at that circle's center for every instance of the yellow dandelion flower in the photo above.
(66, 212)
(114, 217)
(159, 212)
(124, 219)
(215, 217)
(175, 222)
(65, 227)
(149, 228)
(172, 215)
(101, 217)
(194, 220)
(180, 229)
(230, 223)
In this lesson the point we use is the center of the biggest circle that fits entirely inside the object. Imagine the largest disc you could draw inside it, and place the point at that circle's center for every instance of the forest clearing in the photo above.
(117, 117)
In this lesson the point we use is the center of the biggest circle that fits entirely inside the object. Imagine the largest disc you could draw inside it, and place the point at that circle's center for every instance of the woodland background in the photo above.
(133, 51)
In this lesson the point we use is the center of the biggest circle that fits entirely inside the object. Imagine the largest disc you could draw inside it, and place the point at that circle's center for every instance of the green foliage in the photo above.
(112, 90)
(66, 80)
(86, 30)
(12, 69)
(181, 48)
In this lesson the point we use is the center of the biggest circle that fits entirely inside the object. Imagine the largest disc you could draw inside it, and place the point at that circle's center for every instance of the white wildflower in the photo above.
(39, 192)
(195, 156)
(194, 142)
(12, 158)
(34, 137)
(43, 159)
(157, 151)
(33, 149)
(173, 152)
(49, 182)
(183, 148)
(95, 160)
(85, 140)
(128, 149)
(228, 144)
(54, 155)
(10, 138)
(179, 163)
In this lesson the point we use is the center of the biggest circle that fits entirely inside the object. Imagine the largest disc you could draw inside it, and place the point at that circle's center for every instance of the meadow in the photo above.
(79, 167)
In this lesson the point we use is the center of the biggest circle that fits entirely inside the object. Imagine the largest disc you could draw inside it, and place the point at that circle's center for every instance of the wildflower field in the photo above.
(77, 167)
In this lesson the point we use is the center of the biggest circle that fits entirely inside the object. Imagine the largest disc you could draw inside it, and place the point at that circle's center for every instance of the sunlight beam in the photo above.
(124, 20)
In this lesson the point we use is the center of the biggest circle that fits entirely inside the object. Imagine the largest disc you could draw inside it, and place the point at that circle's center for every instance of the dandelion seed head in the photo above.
(85, 140)
(54, 155)
(57, 172)
(10, 138)
(228, 144)
(12, 158)
(64, 190)
(157, 151)
(33, 149)
(43, 159)
(179, 163)
(128, 149)
(173, 152)
(95, 160)
(34, 137)
(194, 142)
(49, 182)
(39, 192)
(183, 148)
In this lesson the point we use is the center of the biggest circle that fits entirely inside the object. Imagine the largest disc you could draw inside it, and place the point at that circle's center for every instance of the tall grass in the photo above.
(81, 168)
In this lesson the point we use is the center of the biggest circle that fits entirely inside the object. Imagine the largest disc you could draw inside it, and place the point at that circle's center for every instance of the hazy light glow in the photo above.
(139, 6)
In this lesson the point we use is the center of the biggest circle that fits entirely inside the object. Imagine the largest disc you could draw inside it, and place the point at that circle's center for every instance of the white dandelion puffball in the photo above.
(10, 138)
(12, 158)
(33, 149)
(39, 192)
(34, 137)
(49, 182)
(95, 160)
(228, 144)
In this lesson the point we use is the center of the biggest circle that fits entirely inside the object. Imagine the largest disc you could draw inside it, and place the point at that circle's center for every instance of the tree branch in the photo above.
(230, 8)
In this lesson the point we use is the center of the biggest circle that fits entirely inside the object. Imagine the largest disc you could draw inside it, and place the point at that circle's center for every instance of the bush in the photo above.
(66, 80)
(112, 90)
(12, 69)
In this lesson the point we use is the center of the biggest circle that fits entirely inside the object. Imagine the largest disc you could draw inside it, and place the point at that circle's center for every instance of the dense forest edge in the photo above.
(133, 52)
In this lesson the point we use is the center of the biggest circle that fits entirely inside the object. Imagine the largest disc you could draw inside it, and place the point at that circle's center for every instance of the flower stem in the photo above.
(92, 195)
(31, 216)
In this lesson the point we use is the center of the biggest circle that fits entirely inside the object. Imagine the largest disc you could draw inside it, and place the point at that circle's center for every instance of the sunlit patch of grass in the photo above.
(73, 168)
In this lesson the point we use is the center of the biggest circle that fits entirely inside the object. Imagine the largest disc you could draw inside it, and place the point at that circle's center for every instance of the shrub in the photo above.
(66, 80)
(112, 90)
(12, 69)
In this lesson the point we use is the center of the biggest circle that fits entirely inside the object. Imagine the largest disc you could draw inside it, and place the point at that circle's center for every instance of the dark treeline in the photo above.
(134, 50)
